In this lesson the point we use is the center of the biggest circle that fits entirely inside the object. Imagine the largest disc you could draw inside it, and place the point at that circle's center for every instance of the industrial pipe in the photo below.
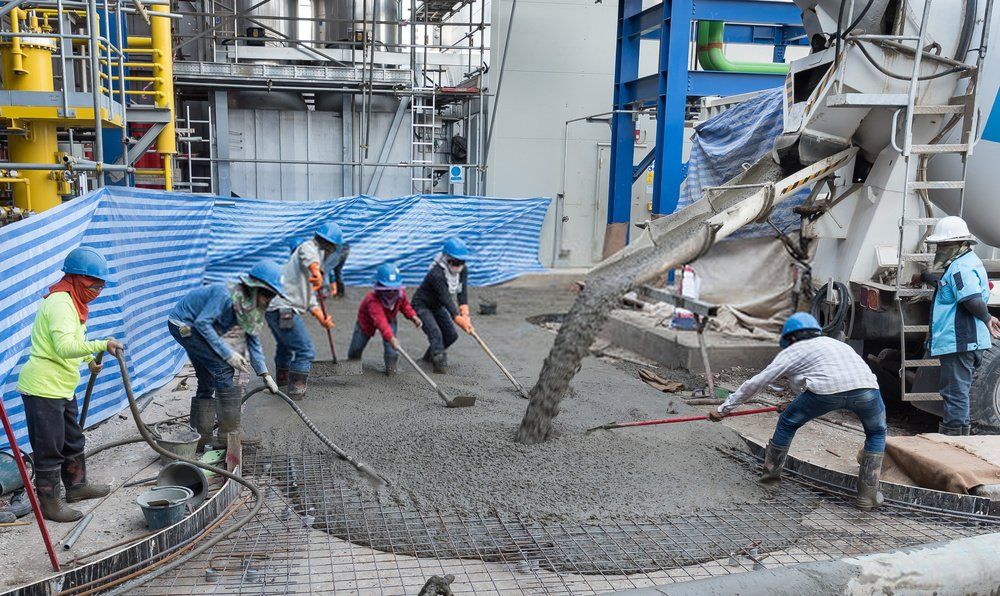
(712, 55)
(166, 141)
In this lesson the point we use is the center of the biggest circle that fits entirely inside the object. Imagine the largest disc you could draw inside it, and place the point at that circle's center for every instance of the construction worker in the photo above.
(448, 275)
(334, 267)
(199, 320)
(961, 324)
(303, 277)
(48, 380)
(828, 375)
(378, 311)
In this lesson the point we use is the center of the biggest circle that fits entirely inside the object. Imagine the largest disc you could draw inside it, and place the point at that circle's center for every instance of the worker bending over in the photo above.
(378, 311)
(960, 323)
(334, 267)
(828, 375)
(448, 275)
(303, 278)
(199, 320)
(48, 380)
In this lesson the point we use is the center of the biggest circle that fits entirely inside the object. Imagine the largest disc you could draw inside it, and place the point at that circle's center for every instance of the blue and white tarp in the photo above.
(740, 135)
(160, 245)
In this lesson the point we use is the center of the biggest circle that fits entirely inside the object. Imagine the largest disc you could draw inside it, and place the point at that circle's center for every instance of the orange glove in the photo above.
(463, 309)
(324, 320)
(315, 277)
(465, 323)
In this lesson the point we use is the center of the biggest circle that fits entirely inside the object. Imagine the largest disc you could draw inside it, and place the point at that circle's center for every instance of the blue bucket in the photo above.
(164, 506)
(10, 477)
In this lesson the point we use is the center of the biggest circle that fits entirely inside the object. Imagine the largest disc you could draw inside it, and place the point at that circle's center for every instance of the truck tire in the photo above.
(984, 395)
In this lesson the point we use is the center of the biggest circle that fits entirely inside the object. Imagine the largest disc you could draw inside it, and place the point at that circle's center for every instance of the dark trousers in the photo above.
(210, 369)
(359, 340)
(956, 379)
(438, 328)
(53, 430)
(294, 349)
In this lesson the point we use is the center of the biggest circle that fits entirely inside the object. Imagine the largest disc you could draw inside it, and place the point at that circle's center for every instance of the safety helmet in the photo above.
(798, 322)
(85, 260)
(387, 276)
(951, 229)
(332, 233)
(265, 274)
(456, 249)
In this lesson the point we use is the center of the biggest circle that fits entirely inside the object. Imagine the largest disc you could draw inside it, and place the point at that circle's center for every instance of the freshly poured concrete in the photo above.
(466, 459)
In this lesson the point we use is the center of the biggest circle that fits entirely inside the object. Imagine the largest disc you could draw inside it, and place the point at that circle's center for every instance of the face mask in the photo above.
(388, 298)
(945, 253)
(90, 294)
(248, 315)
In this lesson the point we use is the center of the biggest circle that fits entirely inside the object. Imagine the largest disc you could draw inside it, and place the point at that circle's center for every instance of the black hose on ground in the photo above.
(132, 585)
(836, 321)
(118, 443)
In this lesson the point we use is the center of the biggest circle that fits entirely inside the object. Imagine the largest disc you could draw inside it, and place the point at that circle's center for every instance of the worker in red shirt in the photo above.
(378, 312)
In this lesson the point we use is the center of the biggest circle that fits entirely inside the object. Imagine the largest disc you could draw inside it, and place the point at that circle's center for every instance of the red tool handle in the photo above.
(685, 418)
(28, 487)
(329, 332)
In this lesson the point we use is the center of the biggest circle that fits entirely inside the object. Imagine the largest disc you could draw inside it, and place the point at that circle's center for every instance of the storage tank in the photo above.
(286, 9)
(349, 18)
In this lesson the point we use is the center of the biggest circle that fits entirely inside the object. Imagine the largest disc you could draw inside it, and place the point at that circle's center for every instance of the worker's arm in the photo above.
(256, 354)
(439, 283)
(751, 387)
(309, 263)
(976, 307)
(381, 321)
(65, 342)
(463, 279)
(205, 323)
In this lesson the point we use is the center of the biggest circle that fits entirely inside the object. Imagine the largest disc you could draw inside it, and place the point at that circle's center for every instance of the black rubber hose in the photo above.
(118, 443)
(857, 21)
(843, 306)
(971, 6)
(132, 585)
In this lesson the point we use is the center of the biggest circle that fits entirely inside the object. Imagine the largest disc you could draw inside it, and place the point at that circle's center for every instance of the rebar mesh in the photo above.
(315, 536)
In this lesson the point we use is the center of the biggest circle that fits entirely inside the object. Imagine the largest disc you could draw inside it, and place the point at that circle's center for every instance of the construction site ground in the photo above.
(465, 460)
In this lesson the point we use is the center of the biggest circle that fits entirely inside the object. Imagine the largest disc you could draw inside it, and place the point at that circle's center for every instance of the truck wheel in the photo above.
(984, 395)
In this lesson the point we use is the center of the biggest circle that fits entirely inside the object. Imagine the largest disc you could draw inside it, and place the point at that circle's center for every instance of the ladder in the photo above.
(424, 127)
(915, 157)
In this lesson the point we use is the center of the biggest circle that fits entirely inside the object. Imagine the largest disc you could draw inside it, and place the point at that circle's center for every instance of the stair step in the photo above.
(921, 363)
(918, 257)
(939, 109)
(867, 100)
(921, 221)
(921, 397)
(916, 328)
(940, 148)
(937, 184)
(904, 292)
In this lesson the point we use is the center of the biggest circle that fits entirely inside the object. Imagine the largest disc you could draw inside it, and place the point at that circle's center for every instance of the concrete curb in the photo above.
(956, 567)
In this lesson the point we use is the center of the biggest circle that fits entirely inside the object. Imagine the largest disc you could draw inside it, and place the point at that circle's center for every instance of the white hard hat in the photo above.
(951, 229)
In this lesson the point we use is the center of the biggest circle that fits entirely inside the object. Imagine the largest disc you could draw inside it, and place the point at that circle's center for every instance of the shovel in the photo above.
(503, 369)
(460, 401)
(345, 367)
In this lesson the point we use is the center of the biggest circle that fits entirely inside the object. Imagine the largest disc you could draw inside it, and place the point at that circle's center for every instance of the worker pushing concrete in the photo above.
(48, 380)
(828, 375)
(303, 278)
(434, 305)
(378, 312)
(199, 320)
(961, 325)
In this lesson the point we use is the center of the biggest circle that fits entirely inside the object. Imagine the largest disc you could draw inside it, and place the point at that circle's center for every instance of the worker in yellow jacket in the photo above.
(49, 379)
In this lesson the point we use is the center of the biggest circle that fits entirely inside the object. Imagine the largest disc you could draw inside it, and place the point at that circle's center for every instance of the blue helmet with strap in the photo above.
(798, 322)
(85, 260)
(456, 249)
(332, 233)
(266, 274)
(387, 276)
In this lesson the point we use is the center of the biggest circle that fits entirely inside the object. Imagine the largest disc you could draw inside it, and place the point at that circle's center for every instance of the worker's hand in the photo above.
(238, 362)
(315, 277)
(394, 342)
(780, 407)
(716, 416)
(916, 279)
(114, 346)
(465, 324)
(95, 367)
(463, 309)
(333, 290)
(995, 327)
(325, 320)
(269, 382)
(417, 322)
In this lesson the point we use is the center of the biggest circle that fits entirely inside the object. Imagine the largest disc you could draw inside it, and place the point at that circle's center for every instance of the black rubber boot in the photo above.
(427, 356)
(390, 365)
(48, 485)
(74, 477)
(297, 384)
(774, 462)
(281, 377)
(440, 362)
(203, 420)
(951, 431)
(228, 402)
(869, 497)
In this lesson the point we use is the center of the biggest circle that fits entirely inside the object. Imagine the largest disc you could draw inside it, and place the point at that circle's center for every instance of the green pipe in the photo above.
(712, 56)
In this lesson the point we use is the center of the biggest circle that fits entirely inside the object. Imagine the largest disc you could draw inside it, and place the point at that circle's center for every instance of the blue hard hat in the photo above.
(332, 233)
(798, 322)
(85, 260)
(387, 275)
(456, 249)
(268, 273)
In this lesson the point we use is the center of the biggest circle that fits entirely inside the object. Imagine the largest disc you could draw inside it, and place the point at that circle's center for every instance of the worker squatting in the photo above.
(828, 374)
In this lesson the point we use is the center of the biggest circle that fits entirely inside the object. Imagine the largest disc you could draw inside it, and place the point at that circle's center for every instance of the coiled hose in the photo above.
(836, 321)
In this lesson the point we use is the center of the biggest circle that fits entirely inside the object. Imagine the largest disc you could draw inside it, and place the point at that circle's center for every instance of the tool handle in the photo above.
(686, 418)
(329, 332)
(423, 374)
(503, 368)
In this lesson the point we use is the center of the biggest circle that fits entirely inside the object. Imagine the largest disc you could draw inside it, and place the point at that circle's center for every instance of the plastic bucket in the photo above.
(10, 477)
(180, 473)
(164, 505)
(179, 439)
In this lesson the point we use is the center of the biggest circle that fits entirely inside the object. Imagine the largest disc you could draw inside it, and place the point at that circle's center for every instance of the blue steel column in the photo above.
(622, 129)
(671, 102)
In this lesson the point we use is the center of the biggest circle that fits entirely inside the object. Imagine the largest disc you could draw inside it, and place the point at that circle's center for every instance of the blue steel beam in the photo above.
(776, 35)
(747, 11)
(622, 124)
(644, 163)
(671, 103)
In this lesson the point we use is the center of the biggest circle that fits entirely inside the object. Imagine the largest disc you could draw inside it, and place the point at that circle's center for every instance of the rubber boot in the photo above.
(774, 462)
(869, 496)
(48, 485)
(228, 402)
(951, 431)
(203, 421)
(440, 362)
(966, 430)
(390, 365)
(281, 378)
(427, 356)
(74, 477)
(297, 384)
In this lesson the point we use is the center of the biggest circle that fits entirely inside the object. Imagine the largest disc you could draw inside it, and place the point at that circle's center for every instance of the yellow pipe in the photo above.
(151, 65)
(155, 94)
(16, 52)
(166, 142)
(105, 76)
(135, 41)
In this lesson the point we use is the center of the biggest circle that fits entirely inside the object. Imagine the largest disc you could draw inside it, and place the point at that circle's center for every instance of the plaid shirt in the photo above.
(822, 365)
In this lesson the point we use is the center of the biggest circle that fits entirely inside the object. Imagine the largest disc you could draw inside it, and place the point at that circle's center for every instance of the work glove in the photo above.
(269, 381)
(325, 320)
(465, 324)
(238, 362)
(417, 322)
(716, 416)
(315, 277)
(394, 342)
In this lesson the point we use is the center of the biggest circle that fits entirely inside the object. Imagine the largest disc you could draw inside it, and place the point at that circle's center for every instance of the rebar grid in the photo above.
(315, 535)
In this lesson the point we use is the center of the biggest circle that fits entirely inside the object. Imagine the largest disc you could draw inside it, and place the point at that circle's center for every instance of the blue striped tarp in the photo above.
(160, 245)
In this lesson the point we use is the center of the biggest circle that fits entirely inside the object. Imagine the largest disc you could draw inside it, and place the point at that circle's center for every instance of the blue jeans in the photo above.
(294, 348)
(210, 369)
(438, 328)
(865, 403)
(359, 340)
(956, 379)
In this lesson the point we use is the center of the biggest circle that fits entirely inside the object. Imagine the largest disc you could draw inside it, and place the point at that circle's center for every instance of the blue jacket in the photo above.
(208, 310)
(954, 329)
